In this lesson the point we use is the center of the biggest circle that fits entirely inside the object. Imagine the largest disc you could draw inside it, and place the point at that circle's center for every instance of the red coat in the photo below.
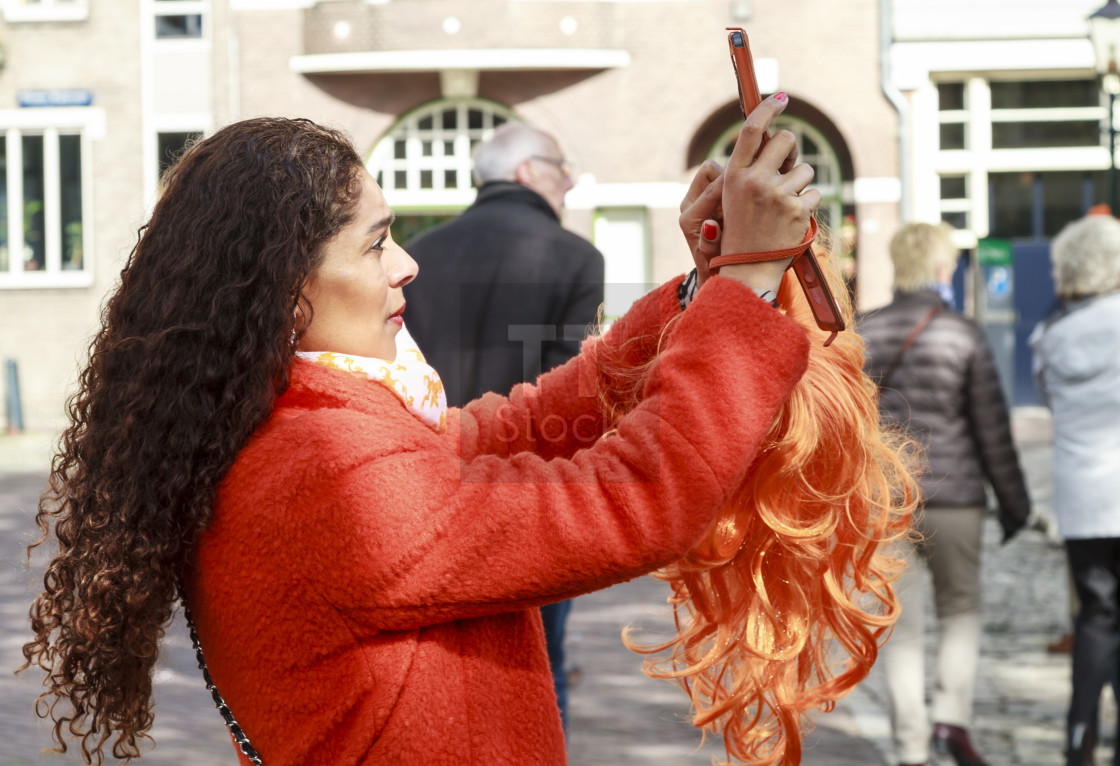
(366, 591)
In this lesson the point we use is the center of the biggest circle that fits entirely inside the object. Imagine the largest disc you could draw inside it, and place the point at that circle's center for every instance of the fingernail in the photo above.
(709, 230)
(781, 96)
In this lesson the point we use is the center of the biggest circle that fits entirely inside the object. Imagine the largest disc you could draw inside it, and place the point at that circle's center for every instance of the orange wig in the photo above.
(782, 605)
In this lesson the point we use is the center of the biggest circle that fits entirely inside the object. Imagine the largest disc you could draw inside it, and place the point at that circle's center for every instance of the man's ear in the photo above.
(524, 173)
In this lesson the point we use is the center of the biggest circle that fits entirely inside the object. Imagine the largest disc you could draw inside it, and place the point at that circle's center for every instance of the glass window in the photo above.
(429, 151)
(952, 135)
(70, 201)
(1044, 135)
(950, 96)
(1067, 195)
(48, 177)
(1011, 196)
(958, 220)
(1044, 94)
(954, 187)
(34, 231)
(171, 146)
(187, 25)
(1040, 204)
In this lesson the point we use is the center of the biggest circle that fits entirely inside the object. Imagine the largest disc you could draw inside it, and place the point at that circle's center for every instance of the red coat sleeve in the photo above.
(426, 537)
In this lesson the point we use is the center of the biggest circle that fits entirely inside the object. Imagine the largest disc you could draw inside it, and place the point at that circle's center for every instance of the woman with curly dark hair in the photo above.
(256, 435)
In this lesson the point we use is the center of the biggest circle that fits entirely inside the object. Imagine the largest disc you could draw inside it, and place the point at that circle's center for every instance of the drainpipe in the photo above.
(894, 95)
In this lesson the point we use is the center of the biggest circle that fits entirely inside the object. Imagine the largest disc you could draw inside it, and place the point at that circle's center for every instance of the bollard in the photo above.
(13, 406)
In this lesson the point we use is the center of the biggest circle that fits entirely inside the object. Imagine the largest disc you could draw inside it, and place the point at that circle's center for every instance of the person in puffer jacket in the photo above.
(938, 380)
(1077, 369)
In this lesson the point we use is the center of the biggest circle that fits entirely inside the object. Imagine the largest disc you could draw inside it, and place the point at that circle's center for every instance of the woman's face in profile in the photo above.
(356, 291)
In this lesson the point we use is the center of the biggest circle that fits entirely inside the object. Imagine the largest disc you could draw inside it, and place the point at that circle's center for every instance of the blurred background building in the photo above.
(988, 114)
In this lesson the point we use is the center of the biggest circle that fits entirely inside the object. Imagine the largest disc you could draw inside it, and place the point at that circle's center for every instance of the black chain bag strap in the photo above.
(227, 715)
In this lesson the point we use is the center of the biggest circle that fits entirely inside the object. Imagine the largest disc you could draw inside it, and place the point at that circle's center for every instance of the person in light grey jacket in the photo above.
(1077, 369)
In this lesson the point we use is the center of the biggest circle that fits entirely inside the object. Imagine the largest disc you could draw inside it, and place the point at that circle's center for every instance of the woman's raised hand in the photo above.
(700, 216)
(766, 205)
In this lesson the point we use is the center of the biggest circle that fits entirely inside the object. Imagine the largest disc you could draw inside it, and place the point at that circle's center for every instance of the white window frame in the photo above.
(49, 122)
(16, 11)
(978, 158)
(381, 158)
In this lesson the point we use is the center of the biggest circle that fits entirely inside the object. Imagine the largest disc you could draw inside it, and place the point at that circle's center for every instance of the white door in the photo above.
(622, 235)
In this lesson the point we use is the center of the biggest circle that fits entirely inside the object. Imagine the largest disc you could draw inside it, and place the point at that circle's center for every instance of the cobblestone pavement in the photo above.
(618, 715)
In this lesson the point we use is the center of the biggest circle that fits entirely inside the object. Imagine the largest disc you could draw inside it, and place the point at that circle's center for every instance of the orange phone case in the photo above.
(825, 310)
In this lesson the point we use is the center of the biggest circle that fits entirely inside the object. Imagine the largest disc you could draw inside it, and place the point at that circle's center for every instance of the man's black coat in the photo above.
(504, 292)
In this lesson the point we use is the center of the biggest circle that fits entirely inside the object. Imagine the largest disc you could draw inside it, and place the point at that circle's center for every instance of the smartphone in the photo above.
(826, 312)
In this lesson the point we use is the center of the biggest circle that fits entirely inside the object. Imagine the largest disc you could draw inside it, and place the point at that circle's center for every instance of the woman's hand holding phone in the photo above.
(765, 201)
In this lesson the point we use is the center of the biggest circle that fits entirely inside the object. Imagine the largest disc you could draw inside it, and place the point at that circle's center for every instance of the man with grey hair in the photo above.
(1077, 369)
(938, 380)
(508, 293)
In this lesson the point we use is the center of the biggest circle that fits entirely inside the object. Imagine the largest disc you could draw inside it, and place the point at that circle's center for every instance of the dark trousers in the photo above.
(1094, 565)
(555, 619)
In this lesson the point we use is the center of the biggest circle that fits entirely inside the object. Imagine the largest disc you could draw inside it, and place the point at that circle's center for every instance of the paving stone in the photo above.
(618, 715)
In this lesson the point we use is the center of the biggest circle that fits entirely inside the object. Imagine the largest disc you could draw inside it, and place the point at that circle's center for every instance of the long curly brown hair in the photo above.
(193, 349)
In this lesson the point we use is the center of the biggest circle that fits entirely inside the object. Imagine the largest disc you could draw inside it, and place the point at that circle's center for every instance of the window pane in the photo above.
(950, 96)
(448, 148)
(171, 146)
(425, 179)
(450, 119)
(425, 123)
(1064, 195)
(809, 146)
(952, 135)
(185, 25)
(1011, 195)
(5, 262)
(1044, 94)
(399, 149)
(70, 193)
(956, 220)
(474, 119)
(34, 236)
(426, 148)
(953, 187)
(400, 179)
(1044, 135)
(450, 179)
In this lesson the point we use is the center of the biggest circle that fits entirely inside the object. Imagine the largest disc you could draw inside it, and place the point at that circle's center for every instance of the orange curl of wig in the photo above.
(782, 605)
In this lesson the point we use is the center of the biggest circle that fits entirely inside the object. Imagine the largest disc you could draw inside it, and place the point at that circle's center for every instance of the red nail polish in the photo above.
(781, 96)
(709, 230)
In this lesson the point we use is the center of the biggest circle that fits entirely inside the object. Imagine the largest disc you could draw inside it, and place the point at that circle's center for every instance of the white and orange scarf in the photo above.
(410, 377)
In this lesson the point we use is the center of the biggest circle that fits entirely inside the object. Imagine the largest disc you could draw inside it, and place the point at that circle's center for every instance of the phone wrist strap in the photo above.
(768, 255)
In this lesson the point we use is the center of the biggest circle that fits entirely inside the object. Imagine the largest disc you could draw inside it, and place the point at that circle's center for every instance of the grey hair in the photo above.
(1086, 257)
(514, 142)
(917, 250)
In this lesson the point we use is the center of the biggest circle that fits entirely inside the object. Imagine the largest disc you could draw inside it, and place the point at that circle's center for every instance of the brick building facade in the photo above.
(638, 93)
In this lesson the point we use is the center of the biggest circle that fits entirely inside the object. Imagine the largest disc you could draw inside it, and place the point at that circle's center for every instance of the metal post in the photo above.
(1112, 154)
(14, 406)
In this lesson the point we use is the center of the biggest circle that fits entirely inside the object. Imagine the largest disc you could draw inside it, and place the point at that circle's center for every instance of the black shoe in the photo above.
(954, 741)
(1081, 753)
